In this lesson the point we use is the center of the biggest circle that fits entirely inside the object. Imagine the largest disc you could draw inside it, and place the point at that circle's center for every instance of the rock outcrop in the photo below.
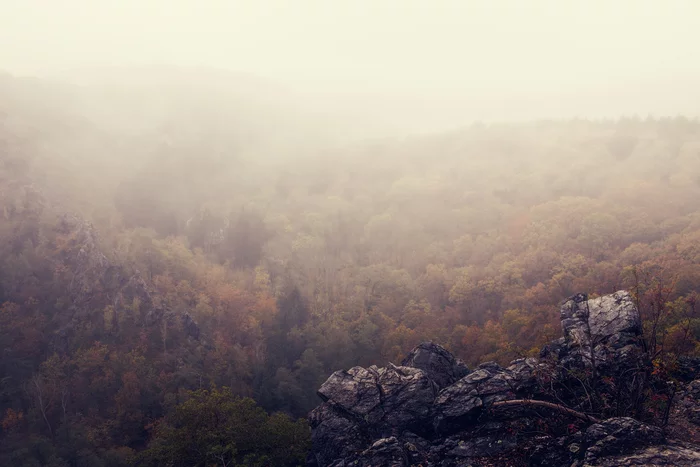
(603, 332)
(433, 411)
(95, 282)
(438, 364)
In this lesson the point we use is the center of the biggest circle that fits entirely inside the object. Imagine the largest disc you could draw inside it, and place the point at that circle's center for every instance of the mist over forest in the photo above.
(180, 240)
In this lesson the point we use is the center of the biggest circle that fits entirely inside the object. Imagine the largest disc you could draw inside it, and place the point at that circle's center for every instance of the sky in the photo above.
(436, 50)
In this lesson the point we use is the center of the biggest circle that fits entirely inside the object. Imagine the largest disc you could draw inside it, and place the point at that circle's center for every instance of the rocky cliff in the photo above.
(94, 282)
(582, 403)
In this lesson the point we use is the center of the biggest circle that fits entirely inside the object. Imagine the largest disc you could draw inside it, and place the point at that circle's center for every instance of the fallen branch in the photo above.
(548, 405)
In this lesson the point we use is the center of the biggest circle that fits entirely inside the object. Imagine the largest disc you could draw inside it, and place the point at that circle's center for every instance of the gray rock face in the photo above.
(432, 411)
(439, 364)
(602, 330)
(618, 436)
(464, 400)
(690, 402)
(366, 403)
(599, 319)
(355, 391)
(336, 436)
(664, 455)
(407, 395)
(390, 399)
(386, 451)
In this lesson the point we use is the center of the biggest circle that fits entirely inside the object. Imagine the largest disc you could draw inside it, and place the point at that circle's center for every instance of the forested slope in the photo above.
(159, 240)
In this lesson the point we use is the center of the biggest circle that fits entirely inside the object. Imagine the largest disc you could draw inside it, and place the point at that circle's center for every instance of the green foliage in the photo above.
(215, 427)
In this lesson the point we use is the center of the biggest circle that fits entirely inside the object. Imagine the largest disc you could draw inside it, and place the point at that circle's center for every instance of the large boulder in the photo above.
(362, 404)
(334, 436)
(609, 319)
(407, 398)
(439, 364)
(386, 400)
(355, 391)
(463, 401)
(599, 331)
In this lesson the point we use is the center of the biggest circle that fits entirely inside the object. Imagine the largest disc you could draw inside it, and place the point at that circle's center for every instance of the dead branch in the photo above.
(548, 405)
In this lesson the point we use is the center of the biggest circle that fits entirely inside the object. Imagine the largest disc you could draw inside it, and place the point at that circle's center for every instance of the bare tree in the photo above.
(43, 397)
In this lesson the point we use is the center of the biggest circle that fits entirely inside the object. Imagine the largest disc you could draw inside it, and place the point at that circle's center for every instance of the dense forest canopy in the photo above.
(174, 256)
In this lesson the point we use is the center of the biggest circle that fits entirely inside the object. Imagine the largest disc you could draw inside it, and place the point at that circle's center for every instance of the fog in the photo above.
(248, 196)
(418, 65)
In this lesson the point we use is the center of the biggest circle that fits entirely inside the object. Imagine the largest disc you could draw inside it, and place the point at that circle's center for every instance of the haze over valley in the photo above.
(208, 208)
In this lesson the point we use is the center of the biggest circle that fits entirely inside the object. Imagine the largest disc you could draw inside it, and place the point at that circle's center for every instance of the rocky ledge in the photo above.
(572, 406)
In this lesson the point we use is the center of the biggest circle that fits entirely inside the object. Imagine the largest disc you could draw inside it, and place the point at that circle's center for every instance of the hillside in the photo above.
(167, 250)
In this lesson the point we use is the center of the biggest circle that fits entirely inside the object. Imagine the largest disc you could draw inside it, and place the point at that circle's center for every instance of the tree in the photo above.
(244, 239)
(215, 427)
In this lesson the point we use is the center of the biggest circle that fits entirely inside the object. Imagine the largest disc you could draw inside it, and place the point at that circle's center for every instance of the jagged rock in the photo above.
(464, 400)
(375, 402)
(522, 373)
(439, 364)
(665, 455)
(559, 452)
(618, 436)
(482, 446)
(554, 350)
(602, 337)
(398, 398)
(690, 402)
(600, 319)
(617, 442)
(599, 331)
(335, 436)
(354, 391)
(407, 396)
(627, 442)
(432, 412)
(385, 452)
(416, 448)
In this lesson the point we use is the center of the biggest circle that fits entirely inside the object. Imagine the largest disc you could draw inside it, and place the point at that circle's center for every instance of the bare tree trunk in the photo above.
(64, 401)
(164, 334)
(41, 401)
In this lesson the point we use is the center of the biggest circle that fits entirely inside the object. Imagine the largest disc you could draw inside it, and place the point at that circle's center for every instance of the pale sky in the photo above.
(420, 47)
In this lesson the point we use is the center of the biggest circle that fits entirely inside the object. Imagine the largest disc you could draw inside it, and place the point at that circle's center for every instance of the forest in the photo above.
(182, 265)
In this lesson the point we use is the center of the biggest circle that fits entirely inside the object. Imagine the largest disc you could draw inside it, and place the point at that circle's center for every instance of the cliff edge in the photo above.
(590, 399)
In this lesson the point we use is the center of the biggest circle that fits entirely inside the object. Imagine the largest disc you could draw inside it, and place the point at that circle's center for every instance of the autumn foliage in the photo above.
(263, 274)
